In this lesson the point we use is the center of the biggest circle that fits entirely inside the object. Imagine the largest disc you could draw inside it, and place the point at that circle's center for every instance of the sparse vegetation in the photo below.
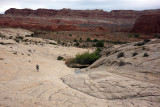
(136, 35)
(52, 43)
(80, 40)
(60, 58)
(2, 43)
(99, 44)
(121, 63)
(17, 40)
(146, 40)
(115, 42)
(77, 44)
(139, 44)
(121, 54)
(134, 54)
(145, 55)
(19, 37)
(59, 42)
(75, 40)
(95, 40)
(157, 36)
(85, 58)
(143, 48)
(130, 35)
(32, 35)
(70, 34)
(88, 40)
(142, 43)
(10, 37)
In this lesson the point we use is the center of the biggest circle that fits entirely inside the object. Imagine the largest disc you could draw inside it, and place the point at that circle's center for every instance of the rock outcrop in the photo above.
(124, 14)
(75, 20)
(132, 79)
(147, 24)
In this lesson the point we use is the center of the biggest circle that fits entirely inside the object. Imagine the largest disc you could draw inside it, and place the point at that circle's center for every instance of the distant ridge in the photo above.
(123, 14)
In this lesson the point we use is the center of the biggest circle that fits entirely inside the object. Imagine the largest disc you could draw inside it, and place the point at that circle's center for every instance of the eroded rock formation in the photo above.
(124, 14)
(75, 20)
(147, 24)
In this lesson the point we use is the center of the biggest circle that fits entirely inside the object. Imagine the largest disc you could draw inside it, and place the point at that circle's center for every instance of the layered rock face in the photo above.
(147, 24)
(71, 20)
(124, 14)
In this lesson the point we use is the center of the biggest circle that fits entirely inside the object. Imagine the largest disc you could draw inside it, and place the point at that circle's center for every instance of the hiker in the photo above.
(37, 67)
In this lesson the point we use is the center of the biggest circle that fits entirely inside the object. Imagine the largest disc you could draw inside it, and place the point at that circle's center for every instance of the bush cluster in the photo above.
(134, 54)
(59, 58)
(136, 35)
(120, 55)
(145, 55)
(87, 58)
(142, 43)
(99, 44)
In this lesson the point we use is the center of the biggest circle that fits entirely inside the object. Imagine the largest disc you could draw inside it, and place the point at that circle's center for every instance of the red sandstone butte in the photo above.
(147, 24)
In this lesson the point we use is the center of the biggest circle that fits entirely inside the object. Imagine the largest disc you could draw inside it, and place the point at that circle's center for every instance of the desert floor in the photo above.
(22, 86)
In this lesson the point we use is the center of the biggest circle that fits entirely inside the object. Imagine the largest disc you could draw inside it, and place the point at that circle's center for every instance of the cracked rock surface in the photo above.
(135, 83)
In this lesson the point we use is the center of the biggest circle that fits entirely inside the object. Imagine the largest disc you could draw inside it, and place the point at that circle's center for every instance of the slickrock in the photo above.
(133, 80)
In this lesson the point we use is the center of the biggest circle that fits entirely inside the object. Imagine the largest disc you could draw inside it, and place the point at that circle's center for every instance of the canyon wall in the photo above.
(147, 24)
(72, 20)
(124, 14)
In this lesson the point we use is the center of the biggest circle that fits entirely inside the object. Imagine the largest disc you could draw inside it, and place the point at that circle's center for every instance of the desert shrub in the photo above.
(70, 34)
(77, 44)
(69, 61)
(10, 37)
(80, 40)
(130, 35)
(99, 44)
(60, 58)
(32, 35)
(52, 43)
(134, 54)
(88, 40)
(87, 58)
(139, 44)
(157, 36)
(119, 42)
(143, 48)
(95, 40)
(17, 40)
(121, 54)
(115, 42)
(108, 41)
(121, 63)
(75, 40)
(2, 43)
(146, 40)
(145, 55)
(84, 46)
(136, 35)
(19, 37)
(25, 40)
(59, 42)
(107, 53)
(142, 43)
(63, 43)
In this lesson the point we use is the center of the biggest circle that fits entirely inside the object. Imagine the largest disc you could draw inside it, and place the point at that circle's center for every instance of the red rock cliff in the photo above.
(124, 14)
(147, 24)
